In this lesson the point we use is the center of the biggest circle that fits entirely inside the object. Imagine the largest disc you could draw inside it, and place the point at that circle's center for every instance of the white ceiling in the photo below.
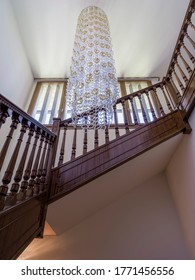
(144, 33)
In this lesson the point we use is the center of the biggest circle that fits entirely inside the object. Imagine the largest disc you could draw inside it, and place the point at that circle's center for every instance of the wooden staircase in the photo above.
(37, 172)
(75, 173)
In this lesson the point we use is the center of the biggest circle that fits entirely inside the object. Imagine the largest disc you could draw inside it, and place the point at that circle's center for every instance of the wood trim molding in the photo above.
(19, 225)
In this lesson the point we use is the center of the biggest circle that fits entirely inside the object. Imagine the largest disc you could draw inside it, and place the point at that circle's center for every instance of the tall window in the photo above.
(48, 102)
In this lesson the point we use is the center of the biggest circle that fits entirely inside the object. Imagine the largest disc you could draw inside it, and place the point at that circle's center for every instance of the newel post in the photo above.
(52, 156)
(49, 163)
(56, 131)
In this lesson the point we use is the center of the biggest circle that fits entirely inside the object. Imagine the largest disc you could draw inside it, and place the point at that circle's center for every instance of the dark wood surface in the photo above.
(188, 99)
(11, 106)
(19, 225)
(184, 27)
(78, 172)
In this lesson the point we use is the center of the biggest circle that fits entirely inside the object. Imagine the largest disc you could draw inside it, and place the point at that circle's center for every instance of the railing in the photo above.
(181, 68)
(129, 113)
(26, 161)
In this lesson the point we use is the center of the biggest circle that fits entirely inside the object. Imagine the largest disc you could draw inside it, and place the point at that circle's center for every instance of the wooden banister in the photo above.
(109, 156)
(185, 25)
(30, 164)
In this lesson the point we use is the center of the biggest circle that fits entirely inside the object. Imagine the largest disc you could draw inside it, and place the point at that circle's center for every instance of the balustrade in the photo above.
(144, 106)
(23, 160)
(181, 66)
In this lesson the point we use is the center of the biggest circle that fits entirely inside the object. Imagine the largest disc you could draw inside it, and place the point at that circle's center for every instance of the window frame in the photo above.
(61, 110)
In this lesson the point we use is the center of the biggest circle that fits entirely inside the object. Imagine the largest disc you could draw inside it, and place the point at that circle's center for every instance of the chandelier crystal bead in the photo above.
(92, 88)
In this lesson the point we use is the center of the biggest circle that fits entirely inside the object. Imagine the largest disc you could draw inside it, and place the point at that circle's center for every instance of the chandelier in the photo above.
(92, 88)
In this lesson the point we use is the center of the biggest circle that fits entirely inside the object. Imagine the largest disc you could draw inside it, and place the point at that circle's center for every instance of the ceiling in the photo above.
(144, 33)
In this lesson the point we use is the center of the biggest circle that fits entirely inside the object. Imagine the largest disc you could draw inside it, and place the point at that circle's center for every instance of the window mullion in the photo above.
(44, 107)
(54, 104)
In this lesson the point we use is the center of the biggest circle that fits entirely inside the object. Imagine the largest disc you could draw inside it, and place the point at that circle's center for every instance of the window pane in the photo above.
(48, 102)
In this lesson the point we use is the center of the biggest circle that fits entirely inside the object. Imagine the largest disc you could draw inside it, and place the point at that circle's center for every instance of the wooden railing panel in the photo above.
(188, 99)
(23, 157)
(20, 225)
(26, 161)
(183, 59)
(95, 163)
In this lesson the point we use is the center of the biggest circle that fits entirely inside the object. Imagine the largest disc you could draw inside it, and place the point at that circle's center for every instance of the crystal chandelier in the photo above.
(92, 88)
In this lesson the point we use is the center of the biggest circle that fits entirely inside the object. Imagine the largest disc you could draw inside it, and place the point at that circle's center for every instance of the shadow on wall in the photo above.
(181, 178)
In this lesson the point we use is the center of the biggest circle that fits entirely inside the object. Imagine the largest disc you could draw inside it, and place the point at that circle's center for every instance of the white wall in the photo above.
(141, 225)
(181, 178)
(16, 79)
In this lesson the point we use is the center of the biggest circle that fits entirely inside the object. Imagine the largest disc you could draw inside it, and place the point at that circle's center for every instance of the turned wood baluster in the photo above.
(96, 138)
(24, 185)
(48, 149)
(133, 110)
(142, 108)
(37, 184)
(190, 39)
(3, 114)
(4, 187)
(185, 63)
(11, 198)
(56, 131)
(33, 174)
(116, 122)
(106, 134)
(175, 88)
(13, 127)
(178, 80)
(192, 58)
(74, 144)
(106, 131)
(166, 98)
(150, 105)
(125, 115)
(171, 93)
(61, 158)
(190, 23)
(20, 169)
(158, 102)
(182, 72)
(85, 141)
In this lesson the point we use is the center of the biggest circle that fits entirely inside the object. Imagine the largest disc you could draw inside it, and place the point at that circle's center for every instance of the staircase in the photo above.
(38, 172)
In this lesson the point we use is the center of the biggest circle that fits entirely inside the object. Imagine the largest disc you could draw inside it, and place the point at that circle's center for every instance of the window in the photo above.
(48, 101)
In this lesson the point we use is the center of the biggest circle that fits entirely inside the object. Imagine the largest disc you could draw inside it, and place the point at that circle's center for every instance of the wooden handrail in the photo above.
(136, 109)
(141, 91)
(11, 107)
(29, 168)
(119, 100)
(181, 36)
(105, 158)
